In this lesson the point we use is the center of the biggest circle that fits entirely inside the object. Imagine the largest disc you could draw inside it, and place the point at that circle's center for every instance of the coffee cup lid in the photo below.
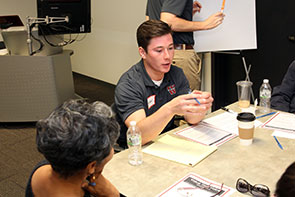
(246, 117)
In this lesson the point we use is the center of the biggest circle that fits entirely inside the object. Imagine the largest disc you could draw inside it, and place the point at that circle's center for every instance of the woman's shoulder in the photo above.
(40, 178)
(35, 173)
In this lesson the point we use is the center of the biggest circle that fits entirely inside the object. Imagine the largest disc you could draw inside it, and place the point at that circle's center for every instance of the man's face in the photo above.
(159, 56)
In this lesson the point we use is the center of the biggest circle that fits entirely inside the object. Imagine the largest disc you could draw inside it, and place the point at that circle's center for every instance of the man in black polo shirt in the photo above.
(153, 91)
(179, 14)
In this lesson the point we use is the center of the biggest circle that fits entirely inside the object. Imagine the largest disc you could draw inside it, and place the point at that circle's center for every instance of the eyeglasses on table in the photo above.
(257, 190)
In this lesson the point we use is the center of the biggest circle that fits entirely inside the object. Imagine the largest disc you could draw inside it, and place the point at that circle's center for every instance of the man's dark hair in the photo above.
(286, 185)
(75, 134)
(151, 29)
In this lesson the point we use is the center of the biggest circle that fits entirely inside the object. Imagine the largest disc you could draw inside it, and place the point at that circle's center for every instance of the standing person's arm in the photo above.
(186, 105)
(182, 25)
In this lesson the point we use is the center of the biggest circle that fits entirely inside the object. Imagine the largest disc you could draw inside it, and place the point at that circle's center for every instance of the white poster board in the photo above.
(237, 32)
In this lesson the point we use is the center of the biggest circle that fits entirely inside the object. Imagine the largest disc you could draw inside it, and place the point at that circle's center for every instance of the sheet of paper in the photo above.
(196, 185)
(205, 134)
(281, 120)
(284, 134)
(179, 150)
(227, 122)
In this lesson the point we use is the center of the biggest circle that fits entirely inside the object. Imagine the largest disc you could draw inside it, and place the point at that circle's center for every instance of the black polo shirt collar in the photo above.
(147, 79)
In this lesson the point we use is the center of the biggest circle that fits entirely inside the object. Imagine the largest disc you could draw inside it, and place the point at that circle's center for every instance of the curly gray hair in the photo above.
(75, 134)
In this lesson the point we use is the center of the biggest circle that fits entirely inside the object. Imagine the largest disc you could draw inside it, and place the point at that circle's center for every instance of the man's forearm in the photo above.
(154, 124)
(181, 25)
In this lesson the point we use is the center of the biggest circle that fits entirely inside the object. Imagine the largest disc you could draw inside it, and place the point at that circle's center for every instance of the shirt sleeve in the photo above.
(174, 6)
(128, 99)
(147, 9)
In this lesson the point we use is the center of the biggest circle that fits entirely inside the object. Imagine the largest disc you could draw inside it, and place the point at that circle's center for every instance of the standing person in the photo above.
(77, 141)
(153, 91)
(179, 15)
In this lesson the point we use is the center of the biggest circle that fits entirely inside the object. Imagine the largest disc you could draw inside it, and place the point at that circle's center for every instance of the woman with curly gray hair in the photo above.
(77, 141)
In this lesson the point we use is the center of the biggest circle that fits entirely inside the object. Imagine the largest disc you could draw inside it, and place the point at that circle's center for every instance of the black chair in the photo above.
(2, 45)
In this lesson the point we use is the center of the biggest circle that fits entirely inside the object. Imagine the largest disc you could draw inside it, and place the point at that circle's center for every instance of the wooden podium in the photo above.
(31, 87)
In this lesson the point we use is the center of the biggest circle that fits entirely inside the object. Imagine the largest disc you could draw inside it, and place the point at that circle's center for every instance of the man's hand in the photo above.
(187, 105)
(213, 21)
(196, 7)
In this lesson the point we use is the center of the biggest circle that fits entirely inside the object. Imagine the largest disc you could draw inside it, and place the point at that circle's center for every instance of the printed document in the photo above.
(196, 185)
(206, 134)
(281, 120)
(227, 122)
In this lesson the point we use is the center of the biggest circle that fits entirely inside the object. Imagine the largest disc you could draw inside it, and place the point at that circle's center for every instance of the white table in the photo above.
(262, 162)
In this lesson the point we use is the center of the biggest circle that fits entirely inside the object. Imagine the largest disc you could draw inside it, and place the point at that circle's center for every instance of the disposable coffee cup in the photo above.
(244, 92)
(246, 128)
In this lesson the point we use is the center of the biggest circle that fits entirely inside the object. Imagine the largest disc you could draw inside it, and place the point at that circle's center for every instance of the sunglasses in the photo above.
(257, 190)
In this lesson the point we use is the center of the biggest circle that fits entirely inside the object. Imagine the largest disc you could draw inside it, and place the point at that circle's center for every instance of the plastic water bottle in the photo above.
(134, 144)
(265, 95)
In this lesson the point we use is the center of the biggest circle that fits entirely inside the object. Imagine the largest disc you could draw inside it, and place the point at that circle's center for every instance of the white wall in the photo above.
(17, 7)
(110, 49)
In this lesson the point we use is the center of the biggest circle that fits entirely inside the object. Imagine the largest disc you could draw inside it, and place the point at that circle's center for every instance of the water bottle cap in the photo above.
(132, 123)
(265, 80)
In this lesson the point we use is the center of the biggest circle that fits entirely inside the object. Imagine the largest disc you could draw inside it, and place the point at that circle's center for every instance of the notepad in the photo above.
(179, 150)
(281, 120)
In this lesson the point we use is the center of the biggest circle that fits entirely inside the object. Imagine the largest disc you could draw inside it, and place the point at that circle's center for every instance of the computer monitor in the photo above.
(78, 12)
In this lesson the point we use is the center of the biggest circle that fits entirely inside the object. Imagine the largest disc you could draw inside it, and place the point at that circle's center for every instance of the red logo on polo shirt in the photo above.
(171, 89)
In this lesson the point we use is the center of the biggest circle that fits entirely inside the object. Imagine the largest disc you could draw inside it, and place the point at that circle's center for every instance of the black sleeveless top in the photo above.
(29, 191)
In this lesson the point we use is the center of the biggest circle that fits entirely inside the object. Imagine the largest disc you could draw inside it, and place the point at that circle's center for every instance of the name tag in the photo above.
(151, 100)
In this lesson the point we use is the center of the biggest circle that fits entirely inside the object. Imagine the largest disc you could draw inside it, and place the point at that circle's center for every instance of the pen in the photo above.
(228, 110)
(279, 144)
(268, 114)
(222, 7)
(194, 98)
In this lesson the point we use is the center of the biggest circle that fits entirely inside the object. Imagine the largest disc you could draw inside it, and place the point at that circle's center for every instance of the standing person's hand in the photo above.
(196, 7)
(213, 21)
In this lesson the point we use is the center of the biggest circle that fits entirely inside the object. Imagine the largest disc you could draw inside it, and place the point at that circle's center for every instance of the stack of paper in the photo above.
(179, 150)
(206, 134)
(227, 122)
(283, 123)
(281, 120)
